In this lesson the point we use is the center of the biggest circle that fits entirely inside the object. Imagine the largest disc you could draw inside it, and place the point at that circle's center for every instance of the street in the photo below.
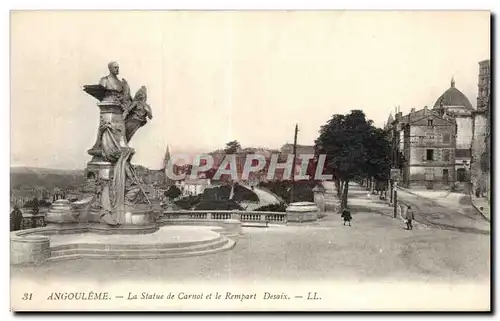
(375, 248)
(453, 212)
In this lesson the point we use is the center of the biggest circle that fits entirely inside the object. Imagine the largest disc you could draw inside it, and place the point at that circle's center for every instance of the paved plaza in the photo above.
(171, 234)
(375, 248)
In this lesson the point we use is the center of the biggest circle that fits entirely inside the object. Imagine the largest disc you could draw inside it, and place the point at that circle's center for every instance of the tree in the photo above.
(36, 206)
(379, 151)
(173, 192)
(232, 147)
(354, 148)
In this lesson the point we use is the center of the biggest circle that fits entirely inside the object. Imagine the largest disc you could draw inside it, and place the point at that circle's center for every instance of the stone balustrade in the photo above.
(243, 216)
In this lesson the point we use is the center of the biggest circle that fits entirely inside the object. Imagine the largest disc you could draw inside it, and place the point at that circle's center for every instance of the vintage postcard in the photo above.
(250, 161)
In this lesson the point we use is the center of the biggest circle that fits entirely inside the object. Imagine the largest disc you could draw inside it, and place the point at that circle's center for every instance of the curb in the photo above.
(477, 209)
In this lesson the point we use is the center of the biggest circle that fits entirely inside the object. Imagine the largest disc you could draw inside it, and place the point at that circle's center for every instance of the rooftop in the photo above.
(453, 97)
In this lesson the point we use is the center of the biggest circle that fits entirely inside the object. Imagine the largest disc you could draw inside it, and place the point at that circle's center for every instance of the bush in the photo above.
(35, 204)
(242, 194)
(272, 208)
(217, 193)
(173, 192)
(188, 202)
(302, 193)
(44, 203)
(223, 192)
(222, 205)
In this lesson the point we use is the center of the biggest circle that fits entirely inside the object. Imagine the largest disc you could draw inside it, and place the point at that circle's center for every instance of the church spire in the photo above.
(166, 158)
(452, 81)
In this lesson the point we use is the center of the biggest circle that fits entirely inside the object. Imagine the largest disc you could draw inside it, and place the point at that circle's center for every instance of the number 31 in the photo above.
(27, 296)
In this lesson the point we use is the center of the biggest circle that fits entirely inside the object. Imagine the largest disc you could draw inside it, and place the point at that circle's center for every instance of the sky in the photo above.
(218, 76)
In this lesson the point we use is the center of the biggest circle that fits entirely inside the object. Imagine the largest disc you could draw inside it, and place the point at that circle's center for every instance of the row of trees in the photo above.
(355, 149)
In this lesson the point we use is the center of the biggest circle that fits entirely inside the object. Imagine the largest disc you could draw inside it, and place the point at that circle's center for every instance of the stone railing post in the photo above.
(236, 216)
(209, 216)
(319, 199)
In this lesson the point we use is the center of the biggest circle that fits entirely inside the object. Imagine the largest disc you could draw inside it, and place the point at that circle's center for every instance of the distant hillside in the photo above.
(45, 177)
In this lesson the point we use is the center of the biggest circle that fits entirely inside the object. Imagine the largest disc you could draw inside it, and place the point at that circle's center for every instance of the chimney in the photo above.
(412, 110)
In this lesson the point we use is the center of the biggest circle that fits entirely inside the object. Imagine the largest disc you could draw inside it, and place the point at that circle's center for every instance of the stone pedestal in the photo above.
(61, 212)
(29, 250)
(99, 167)
(139, 215)
(319, 198)
(302, 212)
(232, 226)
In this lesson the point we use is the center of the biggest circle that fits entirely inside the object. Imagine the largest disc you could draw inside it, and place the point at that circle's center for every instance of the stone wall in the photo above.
(480, 178)
(430, 177)
(464, 132)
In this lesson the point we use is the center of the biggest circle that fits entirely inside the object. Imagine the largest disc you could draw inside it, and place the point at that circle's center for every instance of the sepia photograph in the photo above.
(286, 160)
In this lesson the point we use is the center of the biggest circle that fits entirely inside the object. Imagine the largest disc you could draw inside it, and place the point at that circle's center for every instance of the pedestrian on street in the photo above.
(409, 218)
(346, 215)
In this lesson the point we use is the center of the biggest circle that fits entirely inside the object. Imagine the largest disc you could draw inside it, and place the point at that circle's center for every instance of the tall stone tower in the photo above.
(481, 135)
(484, 83)
(168, 182)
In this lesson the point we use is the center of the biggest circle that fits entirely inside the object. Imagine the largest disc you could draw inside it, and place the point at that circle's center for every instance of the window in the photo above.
(430, 154)
(446, 138)
(446, 155)
(461, 175)
(429, 122)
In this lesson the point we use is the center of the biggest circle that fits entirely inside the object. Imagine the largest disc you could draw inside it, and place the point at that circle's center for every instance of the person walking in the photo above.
(409, 218)
(346, 215)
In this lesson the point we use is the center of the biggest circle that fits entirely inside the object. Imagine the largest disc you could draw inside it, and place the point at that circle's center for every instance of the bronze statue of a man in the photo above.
(116, 90)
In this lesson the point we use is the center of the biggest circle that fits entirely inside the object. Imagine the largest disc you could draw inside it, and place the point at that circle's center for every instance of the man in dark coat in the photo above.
(346, 215)
(409, 218)
(16, 217)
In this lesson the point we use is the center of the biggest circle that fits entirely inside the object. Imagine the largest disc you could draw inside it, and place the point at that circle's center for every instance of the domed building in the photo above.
(453, 100)
(436, 142)
(454, 103)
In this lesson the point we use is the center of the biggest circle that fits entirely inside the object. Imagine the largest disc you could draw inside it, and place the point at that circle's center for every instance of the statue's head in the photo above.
(113, 68)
